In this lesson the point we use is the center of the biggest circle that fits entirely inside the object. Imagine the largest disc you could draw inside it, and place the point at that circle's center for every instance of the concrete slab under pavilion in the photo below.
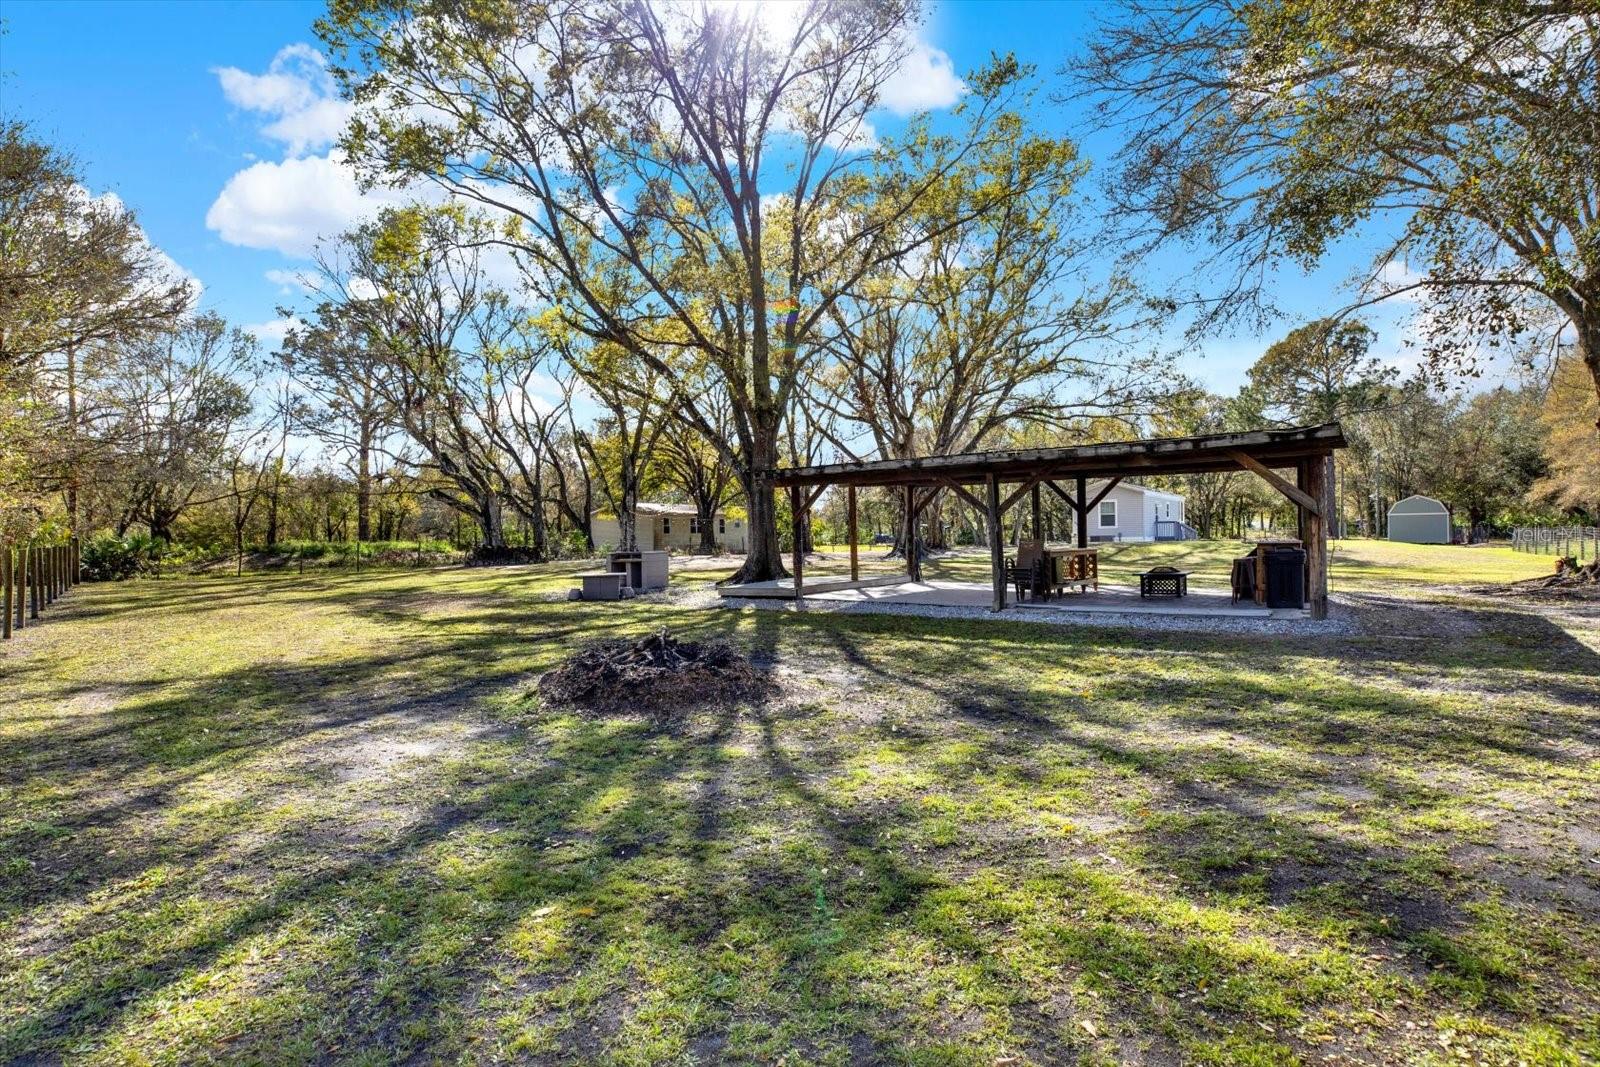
(1005, 479)
(1110, 599)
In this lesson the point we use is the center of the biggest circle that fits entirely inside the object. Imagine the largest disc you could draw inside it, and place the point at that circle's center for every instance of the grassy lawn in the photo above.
(275, 820)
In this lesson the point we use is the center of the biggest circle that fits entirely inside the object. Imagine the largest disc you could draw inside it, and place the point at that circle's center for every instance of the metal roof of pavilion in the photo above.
(1157, 455)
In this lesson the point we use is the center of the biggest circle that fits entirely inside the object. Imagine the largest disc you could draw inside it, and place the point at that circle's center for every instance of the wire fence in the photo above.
(1581, 542)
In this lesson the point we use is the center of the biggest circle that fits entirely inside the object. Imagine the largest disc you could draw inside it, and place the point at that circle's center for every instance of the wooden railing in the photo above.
(33, 577)
(1583, 542)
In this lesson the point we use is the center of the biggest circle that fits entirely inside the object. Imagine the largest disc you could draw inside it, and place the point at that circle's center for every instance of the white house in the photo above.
(674, 527)
(1134, 512)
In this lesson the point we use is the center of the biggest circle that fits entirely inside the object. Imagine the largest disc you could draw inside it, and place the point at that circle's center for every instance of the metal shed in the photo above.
(1420, 520)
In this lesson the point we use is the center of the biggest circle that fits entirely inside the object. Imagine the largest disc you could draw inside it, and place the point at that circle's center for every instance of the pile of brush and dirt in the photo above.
(657, 675)
(1571, 579)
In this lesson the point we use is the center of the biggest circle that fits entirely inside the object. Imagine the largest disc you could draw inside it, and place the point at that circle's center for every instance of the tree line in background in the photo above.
(655, 251)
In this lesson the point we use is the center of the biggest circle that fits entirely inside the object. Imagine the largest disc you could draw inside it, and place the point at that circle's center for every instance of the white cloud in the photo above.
(1396, 277)
(288, 206)
(297, 92)
(926, 80)
(289, 281)
(271, 334)
(168, 269)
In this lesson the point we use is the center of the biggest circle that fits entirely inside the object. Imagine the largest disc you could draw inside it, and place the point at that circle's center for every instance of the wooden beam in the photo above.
(1038, 515)
(965, 494)
(1083, 512)
(1272, 478)
(1072, 504)
(1162, 455)
(997, 548)
(798, 556)
(1317, 481)
(1101, 495)
(1302, 473)
(812, 499)
(850, 522)
(1021, 491)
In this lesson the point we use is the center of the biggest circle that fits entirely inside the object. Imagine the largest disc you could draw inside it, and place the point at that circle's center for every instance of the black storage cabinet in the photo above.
(1286, 578)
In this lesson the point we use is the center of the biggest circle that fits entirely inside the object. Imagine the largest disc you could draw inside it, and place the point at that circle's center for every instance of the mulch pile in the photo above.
(657, 675)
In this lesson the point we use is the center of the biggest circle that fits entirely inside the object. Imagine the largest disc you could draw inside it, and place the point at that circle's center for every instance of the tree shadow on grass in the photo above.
(569, 886)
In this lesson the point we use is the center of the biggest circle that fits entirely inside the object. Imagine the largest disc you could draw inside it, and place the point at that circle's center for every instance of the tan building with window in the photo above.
(673, 527)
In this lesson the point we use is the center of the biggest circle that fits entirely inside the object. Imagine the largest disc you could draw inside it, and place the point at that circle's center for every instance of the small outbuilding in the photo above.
(1419, 520)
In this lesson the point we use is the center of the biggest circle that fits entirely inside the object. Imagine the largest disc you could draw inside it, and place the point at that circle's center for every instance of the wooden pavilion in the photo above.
(1005, 478)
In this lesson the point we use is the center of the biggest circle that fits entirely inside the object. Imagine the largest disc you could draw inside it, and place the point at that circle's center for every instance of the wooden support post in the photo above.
(798, 555)
(59, 552)
(850, 512)
(5, 580)
(1038, 515)
(1316, 542)
(913, 562)
(1083, 512)
(35, 587)
(1302, 481)
(997, 548)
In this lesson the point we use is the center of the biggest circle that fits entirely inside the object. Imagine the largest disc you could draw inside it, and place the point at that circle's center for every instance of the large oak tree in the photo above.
(671, 174)
(1270, 130)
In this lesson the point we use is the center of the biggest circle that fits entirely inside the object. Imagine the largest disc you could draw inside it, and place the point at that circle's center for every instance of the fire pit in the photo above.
(657, 674)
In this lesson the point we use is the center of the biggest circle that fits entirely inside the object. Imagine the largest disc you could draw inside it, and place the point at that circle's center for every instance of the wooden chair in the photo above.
(1244, 578)
(1027, 578)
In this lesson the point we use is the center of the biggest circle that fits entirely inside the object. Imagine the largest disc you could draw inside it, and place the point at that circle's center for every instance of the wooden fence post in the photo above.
(33, 585)
(5, 580)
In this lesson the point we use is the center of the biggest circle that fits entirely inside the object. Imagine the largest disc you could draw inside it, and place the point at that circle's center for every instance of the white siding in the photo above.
(649, 531)
(1138, 508)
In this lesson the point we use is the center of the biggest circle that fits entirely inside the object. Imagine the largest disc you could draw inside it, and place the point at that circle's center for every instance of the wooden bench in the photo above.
(602, 585)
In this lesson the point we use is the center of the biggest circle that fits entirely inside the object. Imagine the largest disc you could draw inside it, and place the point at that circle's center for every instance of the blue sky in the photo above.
(210, 122)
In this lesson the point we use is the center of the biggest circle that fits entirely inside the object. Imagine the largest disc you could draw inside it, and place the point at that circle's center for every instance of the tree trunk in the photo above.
(72, 441)
(628, 513)
(1589, 347)
(763, 559)
(491, 526)
(540, 534)
(705, 515)
(364, 484)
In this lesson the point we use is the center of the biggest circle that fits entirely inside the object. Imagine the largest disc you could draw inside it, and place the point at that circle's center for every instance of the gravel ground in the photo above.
(1340, 622)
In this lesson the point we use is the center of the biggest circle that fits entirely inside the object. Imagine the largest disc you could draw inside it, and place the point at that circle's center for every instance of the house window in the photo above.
(694, 525)
(666, 526)
(722, 526)
(1108, 513)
